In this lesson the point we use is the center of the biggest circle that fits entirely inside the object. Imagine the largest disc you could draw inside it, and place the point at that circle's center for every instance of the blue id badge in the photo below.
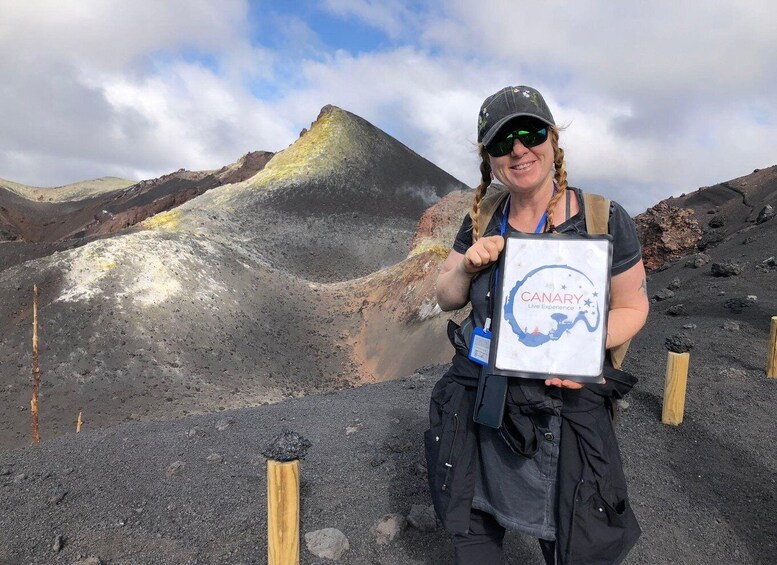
(480, 346)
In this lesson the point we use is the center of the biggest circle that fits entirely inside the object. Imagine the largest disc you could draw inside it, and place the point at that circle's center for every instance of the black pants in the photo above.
(482, 545)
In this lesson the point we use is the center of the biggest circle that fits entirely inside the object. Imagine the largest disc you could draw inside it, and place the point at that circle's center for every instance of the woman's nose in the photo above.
(519, 148)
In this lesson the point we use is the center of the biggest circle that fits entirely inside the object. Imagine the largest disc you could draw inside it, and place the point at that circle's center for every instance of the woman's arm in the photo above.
(458, 271)
(628, 305)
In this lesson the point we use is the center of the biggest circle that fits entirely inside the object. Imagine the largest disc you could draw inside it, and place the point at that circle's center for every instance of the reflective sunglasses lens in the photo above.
(501, 147)
(533, 138)
(529, 138)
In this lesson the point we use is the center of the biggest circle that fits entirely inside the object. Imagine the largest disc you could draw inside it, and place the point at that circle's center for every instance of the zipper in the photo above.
(449, 463)
(573, 520)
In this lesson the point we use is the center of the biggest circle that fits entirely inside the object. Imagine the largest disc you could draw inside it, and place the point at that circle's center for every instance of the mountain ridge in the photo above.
(231, 299)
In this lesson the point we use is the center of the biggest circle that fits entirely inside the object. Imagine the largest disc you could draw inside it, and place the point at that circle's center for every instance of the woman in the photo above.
(552, 470)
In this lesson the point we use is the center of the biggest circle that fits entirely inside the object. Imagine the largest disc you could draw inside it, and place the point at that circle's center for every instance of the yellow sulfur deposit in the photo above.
(169, 220)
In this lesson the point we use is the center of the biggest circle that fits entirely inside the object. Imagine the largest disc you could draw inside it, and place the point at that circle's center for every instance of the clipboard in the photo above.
(551, 305)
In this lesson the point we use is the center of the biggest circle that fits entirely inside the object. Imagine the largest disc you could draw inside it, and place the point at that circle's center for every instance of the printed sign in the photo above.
(553, 298)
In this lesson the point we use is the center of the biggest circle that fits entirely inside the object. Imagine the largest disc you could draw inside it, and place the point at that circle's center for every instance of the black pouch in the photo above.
(490, 400)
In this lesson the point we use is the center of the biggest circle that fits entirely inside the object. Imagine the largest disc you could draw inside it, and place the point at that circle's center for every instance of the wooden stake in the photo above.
(771, 365)
(283, 512)
(674, 388)
(79, 422)
(35, 367)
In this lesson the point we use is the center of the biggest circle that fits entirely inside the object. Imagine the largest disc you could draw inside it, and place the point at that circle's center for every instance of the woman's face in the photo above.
(525, 170)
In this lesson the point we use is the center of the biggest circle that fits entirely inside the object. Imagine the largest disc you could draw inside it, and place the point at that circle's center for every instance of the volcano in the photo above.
(294, 280)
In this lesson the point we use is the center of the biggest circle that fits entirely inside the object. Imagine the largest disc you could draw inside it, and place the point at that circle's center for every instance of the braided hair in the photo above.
(560, 176)
(480, 191)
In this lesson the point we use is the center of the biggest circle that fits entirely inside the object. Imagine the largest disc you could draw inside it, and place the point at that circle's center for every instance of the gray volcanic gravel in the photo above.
(704, 491)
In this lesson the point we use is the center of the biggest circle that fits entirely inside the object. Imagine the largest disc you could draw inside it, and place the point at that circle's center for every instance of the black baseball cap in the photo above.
(510, 102)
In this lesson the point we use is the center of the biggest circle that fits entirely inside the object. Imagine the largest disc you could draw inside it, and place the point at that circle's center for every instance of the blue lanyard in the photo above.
(539, 229)
(540, 226)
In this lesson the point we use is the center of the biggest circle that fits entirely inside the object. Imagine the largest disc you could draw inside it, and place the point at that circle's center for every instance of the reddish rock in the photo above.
(441, 222)
(667, 234)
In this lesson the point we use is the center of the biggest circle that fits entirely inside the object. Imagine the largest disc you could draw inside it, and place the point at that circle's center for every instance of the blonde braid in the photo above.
(560, 177)
(480, 191)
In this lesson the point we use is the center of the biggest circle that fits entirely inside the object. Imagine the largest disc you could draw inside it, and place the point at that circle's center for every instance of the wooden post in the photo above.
(674, 388)
(771, 365)
(283, 512)
(79, 422)
(35, 368)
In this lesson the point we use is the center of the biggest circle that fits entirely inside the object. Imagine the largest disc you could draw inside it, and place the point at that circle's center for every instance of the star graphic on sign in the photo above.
(563, 287)
(596, 294)
(587, 302)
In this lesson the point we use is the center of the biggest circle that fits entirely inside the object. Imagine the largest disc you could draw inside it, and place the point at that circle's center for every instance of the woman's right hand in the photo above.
(459, 270)
(482, 253)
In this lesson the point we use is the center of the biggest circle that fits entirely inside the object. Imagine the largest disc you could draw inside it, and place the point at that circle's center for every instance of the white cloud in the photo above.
(195, 118)
(107, 85)
(394, 18)
(650, 89)
(111, 34)
(660, 98)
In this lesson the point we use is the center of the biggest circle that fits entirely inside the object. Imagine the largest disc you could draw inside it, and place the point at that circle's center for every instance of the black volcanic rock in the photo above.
(726, 269)
(680, 343)
(663, 294)
(737, 305)
(766, 214)
(697, 261)
(767, 265)
(710, 238)
(287, 446)
(677, 310)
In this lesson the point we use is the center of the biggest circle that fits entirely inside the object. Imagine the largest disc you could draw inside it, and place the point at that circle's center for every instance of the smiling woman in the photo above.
(531, 472)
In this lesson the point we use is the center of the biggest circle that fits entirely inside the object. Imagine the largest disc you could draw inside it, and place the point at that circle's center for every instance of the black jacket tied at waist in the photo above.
(595, 522)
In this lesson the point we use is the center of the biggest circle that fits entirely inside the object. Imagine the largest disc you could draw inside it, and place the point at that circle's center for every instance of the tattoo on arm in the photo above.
(643, 286)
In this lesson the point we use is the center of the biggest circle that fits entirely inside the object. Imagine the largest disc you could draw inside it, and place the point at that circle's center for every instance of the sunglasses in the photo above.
(528, 135)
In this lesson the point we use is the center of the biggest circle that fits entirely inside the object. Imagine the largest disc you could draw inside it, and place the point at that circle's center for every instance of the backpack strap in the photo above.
(493, 199)
(597, 213)
(597, 219)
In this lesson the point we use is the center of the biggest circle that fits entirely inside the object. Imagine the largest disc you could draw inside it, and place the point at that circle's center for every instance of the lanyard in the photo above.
(492, 290)
(506, 212)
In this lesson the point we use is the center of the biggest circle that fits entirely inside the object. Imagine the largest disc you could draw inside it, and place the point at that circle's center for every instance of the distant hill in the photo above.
(96, 208)
(74, 191)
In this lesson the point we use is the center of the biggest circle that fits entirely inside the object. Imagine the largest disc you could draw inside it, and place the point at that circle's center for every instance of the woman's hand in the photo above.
(459, 270)
(563, 383)
(482, 253)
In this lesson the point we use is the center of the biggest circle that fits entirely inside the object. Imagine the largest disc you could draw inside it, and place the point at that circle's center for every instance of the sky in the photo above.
(657, 98)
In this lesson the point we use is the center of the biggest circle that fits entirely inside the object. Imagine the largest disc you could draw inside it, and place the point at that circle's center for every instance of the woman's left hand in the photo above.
(563, 383)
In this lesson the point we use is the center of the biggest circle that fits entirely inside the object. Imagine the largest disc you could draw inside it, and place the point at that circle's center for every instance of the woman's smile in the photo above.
(523, 166)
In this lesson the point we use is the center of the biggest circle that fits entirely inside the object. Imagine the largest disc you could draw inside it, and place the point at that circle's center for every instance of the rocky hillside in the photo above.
(678, 226)
(104, 206)
(292, 281)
